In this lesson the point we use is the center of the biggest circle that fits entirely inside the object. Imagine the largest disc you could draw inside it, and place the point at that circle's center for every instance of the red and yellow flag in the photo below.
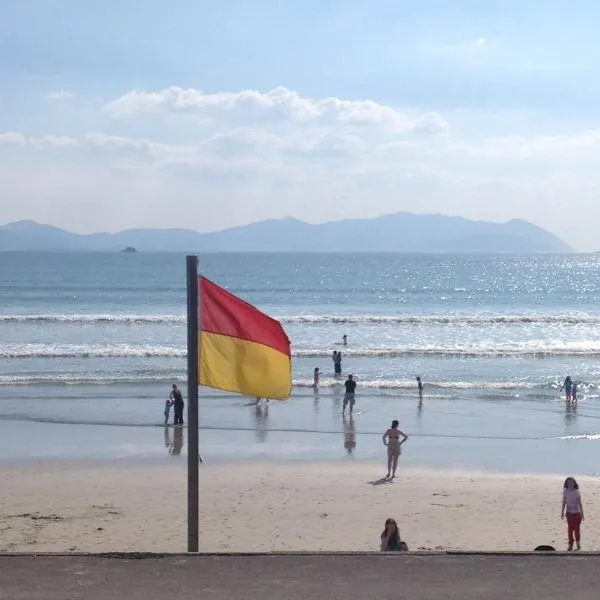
(241, 349)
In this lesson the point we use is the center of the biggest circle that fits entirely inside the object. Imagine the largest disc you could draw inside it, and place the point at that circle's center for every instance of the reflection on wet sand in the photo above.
(174, 440)
(570, 413)
(337, 399)
(261, 416)
(349, 433)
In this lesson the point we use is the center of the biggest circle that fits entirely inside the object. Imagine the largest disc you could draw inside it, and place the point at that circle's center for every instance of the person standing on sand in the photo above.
(567, 386)
(574, 511)
(345, 340)
(392, 439)
(350, 386)
(177, 401)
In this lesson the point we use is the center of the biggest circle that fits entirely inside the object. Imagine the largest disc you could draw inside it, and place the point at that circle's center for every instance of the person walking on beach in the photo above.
(390, 538)
(350, 386)
(568, 387)
(177, 400)
(167, 411)
(574, 393)
(393, 438)
(573, 509)
(337, 363)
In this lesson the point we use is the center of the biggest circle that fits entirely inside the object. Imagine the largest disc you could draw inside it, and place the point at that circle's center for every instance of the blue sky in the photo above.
(207, 115)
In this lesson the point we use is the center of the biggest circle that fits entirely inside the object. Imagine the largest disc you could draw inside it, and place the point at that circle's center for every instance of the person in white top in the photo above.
(573, 509)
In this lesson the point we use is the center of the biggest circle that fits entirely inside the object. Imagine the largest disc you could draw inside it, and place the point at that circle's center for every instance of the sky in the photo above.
(206, 115)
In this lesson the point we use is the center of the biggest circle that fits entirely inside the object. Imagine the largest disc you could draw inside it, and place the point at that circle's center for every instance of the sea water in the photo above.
(90, 344)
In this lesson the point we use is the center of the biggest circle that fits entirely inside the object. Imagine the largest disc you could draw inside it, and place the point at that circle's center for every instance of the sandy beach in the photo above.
(62, 506)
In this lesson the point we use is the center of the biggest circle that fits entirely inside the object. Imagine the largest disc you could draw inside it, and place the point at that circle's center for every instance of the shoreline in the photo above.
(265, 507)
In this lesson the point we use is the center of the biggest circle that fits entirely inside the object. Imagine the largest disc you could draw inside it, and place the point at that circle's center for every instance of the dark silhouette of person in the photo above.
(337, 363)
(178, 405)
(349, 396)
(420, 388)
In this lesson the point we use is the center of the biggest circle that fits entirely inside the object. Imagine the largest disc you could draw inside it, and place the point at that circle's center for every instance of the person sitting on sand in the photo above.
(574, 511)
(391, 439)
(390, 538)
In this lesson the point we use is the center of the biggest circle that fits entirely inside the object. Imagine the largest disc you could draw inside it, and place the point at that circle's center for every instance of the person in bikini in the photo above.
(393, 438)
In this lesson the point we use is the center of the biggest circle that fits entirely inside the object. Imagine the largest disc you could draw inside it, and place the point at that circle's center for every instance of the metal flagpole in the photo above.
(193, 355)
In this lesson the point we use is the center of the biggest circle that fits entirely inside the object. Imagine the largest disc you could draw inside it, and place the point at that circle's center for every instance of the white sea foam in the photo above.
(92, 318)
(88, 351)
(439, 319)
(534, 348)
(443, 319)
(162, 375)
(530, 348)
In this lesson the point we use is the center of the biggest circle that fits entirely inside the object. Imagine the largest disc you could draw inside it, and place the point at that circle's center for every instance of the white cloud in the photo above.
(49, 141)
(12, 137)
(279, 104)
(116, 142)
(59, 95)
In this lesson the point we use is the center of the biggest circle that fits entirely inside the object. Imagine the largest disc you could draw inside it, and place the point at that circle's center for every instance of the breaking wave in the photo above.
(171, 375)
(473, 319)
(535, 348)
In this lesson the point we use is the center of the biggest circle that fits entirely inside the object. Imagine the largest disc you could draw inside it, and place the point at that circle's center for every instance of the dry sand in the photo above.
(264, 507)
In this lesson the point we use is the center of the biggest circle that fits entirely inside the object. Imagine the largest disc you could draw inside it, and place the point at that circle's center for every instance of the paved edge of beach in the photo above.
(300, 577)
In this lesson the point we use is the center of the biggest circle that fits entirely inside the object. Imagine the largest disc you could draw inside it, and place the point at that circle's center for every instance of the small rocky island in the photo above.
(129, 249)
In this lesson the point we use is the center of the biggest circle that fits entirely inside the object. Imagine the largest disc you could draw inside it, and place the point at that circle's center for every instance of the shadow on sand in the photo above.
(381, 481)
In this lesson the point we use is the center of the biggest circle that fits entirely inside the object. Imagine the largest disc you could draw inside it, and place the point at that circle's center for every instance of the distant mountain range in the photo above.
(400, 232)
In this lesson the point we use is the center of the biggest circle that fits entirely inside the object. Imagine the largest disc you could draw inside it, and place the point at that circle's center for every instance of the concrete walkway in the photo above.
(299, 577)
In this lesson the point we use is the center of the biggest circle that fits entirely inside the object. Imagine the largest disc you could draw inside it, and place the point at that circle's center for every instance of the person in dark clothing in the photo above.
(350, 386)
(177, 400)
(337, 363)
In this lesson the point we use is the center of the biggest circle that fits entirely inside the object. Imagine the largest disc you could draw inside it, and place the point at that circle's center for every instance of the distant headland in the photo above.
(400, 232)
